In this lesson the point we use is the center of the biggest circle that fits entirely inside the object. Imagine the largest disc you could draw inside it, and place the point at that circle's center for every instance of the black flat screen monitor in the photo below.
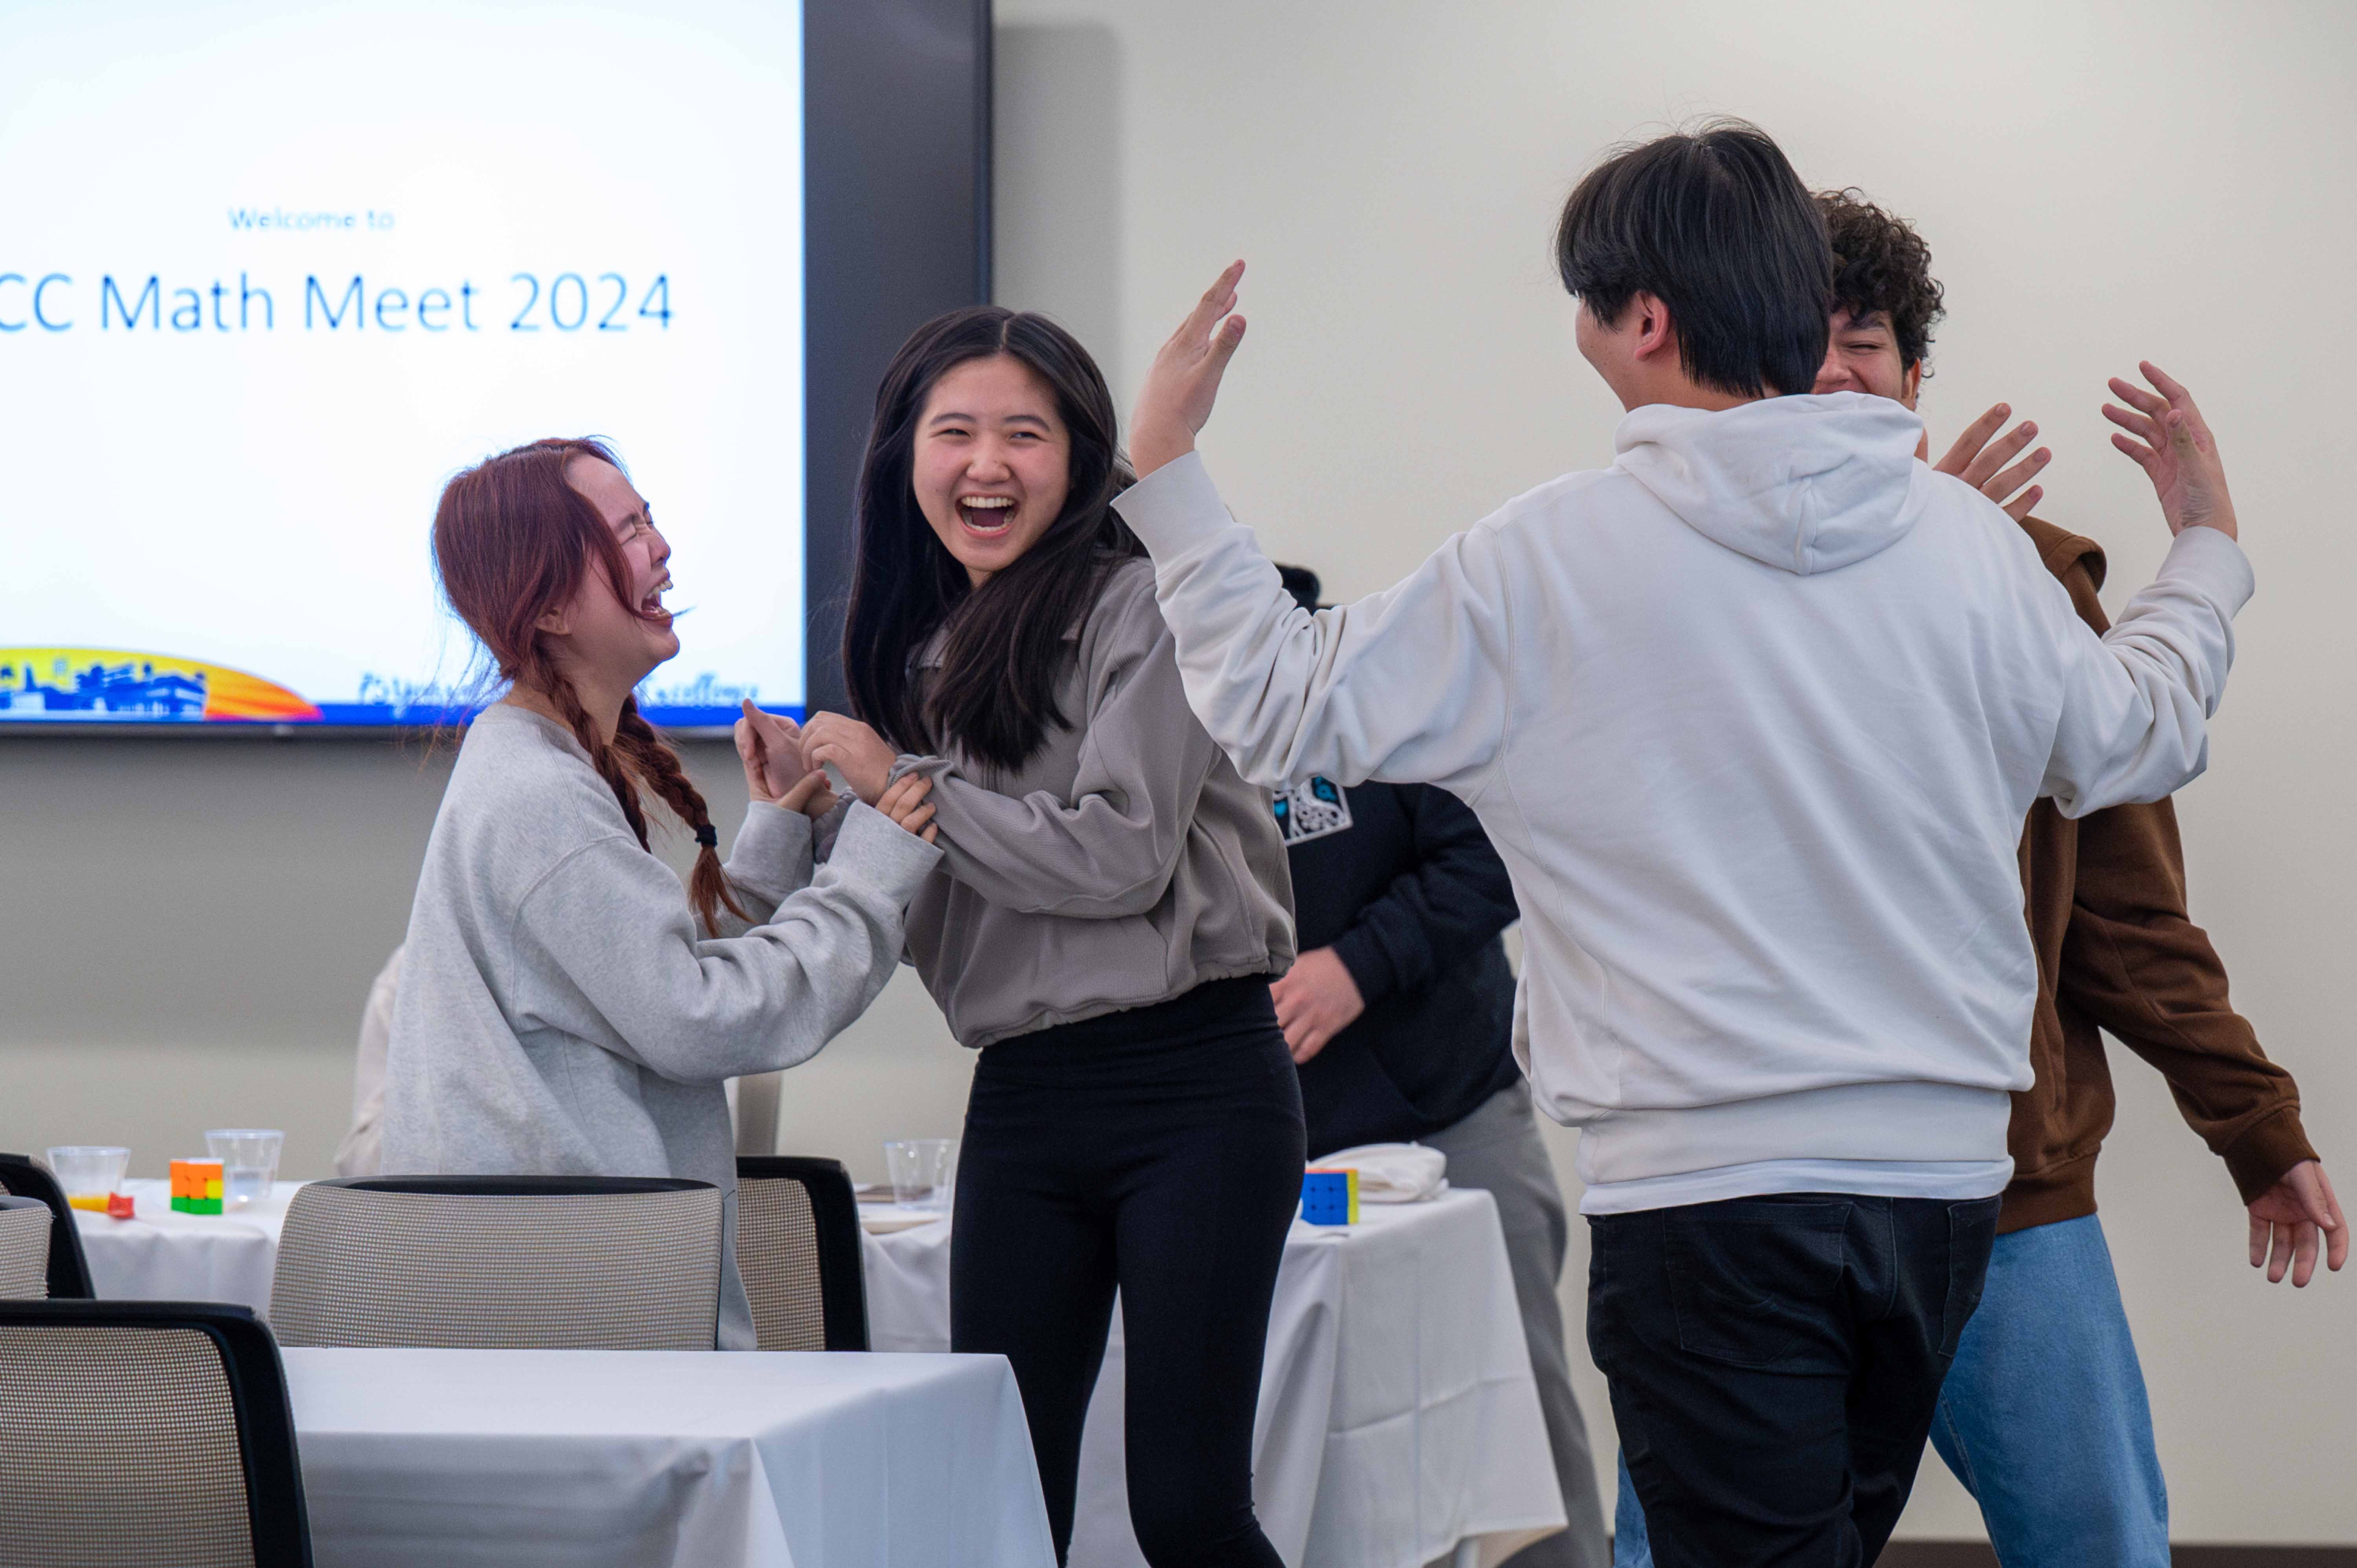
(272, 273)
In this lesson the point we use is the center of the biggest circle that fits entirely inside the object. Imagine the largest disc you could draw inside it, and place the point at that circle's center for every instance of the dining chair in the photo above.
(22, 1177)
(146, 1435)
(500, 1261)
(798, 1250)
(25, 1224)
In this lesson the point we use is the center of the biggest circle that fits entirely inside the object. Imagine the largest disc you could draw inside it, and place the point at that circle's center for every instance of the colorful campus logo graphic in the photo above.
(51, 684)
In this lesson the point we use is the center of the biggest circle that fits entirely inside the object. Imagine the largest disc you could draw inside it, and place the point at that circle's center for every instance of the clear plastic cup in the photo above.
(89, 1173)
(249, 1158)
(923, 1173)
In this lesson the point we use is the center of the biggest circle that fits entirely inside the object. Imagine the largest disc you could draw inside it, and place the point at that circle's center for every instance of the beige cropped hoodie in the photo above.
(1124, 863)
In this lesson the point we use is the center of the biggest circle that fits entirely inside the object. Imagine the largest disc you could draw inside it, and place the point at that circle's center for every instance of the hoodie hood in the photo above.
(1805, 484)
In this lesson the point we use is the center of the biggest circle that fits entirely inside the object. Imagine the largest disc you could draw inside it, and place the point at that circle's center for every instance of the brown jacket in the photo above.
(2105, 898)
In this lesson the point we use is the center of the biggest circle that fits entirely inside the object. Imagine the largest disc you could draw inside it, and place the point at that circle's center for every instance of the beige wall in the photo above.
(2099, 184)
(188, 930)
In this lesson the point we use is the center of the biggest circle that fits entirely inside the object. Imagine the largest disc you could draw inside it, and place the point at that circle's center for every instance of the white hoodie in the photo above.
(1754, 718)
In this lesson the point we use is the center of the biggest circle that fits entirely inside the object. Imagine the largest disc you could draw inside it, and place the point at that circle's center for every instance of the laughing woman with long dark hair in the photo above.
(1110, 906)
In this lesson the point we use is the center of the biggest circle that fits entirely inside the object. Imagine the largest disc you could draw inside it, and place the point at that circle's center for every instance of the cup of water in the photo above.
(923, 1173)
(249, 1158)
(89, 1172)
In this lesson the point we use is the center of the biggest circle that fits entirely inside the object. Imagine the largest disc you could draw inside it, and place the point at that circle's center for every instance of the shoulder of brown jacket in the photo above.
(2077, 561)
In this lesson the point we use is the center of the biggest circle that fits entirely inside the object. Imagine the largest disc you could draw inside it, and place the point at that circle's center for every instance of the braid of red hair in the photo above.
(540, 674)
(708, 887)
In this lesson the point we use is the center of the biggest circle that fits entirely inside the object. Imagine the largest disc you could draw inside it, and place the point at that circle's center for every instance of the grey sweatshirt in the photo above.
(1124, 863)
(559, 1012)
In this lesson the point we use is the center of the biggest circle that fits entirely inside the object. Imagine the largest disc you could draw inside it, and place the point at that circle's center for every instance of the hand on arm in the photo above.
(1184, 380)
(2171, 443)
(1980, 458)
(1316, 1000)
(2285, 1219)
(905, 802)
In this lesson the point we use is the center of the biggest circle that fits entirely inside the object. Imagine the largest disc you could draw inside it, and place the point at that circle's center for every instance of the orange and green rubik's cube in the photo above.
(197, 1186)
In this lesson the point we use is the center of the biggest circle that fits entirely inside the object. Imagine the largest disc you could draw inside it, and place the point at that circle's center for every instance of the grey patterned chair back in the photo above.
(22, 1177)
(24, 1248)
(145, 1434)
(511, 1262)
(798, 1250)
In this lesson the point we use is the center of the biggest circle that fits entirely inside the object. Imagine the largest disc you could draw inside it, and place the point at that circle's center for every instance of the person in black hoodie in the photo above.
(1399, 1014)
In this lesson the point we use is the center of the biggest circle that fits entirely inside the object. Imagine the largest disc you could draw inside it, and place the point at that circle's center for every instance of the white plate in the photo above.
(883, 1219)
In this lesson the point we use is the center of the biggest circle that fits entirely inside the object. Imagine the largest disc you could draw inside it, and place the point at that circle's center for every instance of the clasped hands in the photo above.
(785, 765)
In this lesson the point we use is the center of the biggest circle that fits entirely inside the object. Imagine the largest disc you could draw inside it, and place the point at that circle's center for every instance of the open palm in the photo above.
(2171, 443)
(1184, 380)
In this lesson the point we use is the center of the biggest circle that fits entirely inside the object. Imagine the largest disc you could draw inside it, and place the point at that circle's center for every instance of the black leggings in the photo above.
(1159, 1151)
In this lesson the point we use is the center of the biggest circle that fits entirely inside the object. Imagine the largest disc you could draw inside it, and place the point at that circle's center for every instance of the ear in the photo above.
(1913, 384)
(1655, 332)
(555, 623)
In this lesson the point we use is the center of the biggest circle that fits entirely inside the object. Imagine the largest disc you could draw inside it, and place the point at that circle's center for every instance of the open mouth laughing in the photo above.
(988, 516)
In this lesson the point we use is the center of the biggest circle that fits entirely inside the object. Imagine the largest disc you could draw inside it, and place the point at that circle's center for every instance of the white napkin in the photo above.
(1392, 1172)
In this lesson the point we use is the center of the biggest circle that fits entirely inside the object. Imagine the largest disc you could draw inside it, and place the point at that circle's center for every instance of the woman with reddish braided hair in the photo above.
(564, 1010)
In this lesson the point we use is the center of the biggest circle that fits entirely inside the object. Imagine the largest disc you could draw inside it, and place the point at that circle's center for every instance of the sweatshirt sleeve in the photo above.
(1110, 849)
(2136, 965)
(770, 858)
(611, 919)
(2136, 701)
(1411, 685)
(1453, 902)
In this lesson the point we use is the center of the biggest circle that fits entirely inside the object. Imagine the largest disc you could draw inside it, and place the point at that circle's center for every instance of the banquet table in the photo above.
(1397, 1417)
(639, 1458)
(165, 1256)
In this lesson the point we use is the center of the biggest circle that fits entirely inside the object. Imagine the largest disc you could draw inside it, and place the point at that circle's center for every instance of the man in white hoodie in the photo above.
(1753, 717)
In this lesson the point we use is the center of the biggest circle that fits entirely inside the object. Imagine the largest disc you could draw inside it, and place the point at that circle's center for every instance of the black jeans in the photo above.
(1158, 1151)
(1775, 1364)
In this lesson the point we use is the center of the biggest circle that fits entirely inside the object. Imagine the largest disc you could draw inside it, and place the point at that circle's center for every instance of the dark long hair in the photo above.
(514, 539)
(995, 694)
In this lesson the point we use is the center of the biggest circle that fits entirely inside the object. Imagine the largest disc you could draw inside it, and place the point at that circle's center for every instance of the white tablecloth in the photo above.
(165, 1256)
(1397, 1414)
(638, 1457)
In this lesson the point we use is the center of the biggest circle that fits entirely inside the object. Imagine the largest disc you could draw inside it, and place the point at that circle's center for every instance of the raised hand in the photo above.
(862, 757)
(1184, 381)
(1980, 461)
(2172, 444)
(906, 804)
(769, 746)
(2285, 1219)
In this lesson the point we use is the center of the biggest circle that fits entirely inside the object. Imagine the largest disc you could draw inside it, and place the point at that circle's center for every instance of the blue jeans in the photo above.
(2042, 1417)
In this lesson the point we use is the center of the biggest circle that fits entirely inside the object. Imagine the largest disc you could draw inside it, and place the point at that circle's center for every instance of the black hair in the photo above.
(995, 693)
(1302, 584)
(1715, 224)
(1881, 264)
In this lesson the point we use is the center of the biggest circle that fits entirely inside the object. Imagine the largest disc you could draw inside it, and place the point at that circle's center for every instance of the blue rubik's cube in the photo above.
(1330, 1196)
